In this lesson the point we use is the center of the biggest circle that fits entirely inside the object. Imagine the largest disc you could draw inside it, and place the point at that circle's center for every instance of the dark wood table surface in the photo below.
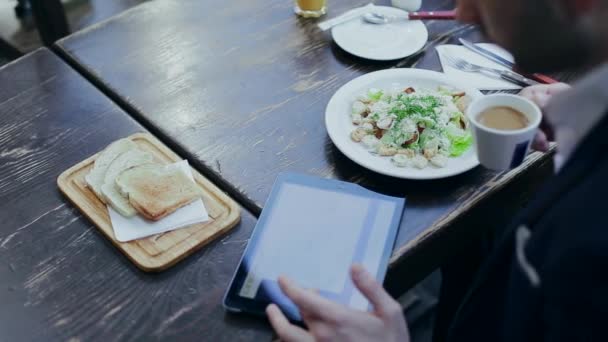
(60, 279)
(241, 90)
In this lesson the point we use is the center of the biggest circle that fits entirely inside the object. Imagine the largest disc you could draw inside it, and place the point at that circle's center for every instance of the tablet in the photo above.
(312, 230)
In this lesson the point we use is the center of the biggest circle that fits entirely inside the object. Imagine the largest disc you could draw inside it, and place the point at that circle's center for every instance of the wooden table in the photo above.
(60, 279)
(241, 90)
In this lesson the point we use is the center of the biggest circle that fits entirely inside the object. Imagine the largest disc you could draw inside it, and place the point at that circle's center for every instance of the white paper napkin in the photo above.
(132, 228)
(476, 80)
(349, 15)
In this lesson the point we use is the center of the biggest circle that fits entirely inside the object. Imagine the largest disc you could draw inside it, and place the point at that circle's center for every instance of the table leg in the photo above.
(50, 19)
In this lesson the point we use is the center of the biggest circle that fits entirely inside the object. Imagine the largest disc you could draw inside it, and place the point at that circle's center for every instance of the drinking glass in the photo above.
(310, 8)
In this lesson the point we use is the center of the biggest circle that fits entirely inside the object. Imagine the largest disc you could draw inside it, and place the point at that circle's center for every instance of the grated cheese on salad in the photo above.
(415, 127)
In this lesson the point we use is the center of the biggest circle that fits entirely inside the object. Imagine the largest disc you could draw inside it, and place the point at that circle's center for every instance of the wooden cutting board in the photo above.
(158, 252)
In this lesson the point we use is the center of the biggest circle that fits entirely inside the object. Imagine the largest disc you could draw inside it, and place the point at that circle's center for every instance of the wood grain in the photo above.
(158, 252)
(60, 278)
(246, 106)
(242, 90)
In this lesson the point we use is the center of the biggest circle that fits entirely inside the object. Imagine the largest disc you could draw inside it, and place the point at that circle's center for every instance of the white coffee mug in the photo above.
(503, 149)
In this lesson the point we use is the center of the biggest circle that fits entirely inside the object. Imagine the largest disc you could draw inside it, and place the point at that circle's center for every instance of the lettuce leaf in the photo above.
(460, 143)
(375, 94)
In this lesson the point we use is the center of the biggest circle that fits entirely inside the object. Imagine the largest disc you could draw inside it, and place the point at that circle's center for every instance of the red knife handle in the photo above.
(434, 15)
(538, 77)
(543, 79)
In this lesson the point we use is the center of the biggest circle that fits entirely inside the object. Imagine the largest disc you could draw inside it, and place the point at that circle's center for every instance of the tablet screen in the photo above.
(312, 230)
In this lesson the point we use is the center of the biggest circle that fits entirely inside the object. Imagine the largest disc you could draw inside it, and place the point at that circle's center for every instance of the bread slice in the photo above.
(109, 190)
(157, 191)
(95, 178)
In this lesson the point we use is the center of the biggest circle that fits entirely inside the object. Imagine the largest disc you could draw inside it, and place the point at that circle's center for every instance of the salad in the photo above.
(414, 126)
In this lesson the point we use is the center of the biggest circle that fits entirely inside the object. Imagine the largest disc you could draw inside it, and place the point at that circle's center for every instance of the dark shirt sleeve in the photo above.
(576, 295)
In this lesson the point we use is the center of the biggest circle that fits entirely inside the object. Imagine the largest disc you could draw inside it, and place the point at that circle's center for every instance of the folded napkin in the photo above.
(136, 227)
(476, 80)
(349, 15)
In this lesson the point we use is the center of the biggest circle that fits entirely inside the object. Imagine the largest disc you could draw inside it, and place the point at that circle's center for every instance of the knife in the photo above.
(504, 62)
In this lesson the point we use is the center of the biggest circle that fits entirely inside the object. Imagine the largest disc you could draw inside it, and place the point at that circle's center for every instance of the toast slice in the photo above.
(96, 177)
(156, 191)
(109, 190)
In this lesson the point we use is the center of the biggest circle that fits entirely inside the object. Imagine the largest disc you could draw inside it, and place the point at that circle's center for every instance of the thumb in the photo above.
(383, 303)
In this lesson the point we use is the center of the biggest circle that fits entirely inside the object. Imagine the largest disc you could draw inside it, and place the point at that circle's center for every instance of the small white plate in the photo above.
(339, 124)
(396, 40)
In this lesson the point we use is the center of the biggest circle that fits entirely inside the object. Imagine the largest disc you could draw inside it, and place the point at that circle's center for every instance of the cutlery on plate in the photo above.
(381, 19)
(506, 63)
(506, 75)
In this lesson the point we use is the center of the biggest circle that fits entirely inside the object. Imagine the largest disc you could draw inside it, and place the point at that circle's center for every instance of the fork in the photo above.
(462, 65)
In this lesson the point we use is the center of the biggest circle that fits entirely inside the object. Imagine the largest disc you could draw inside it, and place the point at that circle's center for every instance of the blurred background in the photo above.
(17, 26)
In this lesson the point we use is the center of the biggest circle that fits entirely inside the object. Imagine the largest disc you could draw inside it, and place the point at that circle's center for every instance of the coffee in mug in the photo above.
(503, 118)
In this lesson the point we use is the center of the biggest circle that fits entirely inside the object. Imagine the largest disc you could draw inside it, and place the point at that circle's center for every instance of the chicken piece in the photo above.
(400, 160)
(409, 90)
(385, 123)
(420, 162)
(463, 103)
(367, 120)
(439, 160)
(358, 134)
(430, 153)
(369, 127)
(358, 107)
(370, 142)
(386, 151)
(408, 152)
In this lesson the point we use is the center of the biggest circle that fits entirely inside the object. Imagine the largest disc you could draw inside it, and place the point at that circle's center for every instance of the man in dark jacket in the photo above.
(545, 280)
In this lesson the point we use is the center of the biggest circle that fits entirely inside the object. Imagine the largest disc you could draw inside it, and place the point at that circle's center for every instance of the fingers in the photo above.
(537, 94)
(540, 142)
(383, 303)
(557, 88)
(541, 94)
(287, 332)
(310, 303)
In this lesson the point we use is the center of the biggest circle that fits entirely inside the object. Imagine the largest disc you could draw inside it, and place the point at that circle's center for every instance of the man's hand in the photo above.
(541, 94)
(328, 321)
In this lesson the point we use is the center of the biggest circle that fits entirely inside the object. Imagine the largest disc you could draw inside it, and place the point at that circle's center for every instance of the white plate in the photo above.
(339, 124)
(387, 42)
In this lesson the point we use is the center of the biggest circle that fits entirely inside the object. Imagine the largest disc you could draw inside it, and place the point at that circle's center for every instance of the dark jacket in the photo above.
(548, 278)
